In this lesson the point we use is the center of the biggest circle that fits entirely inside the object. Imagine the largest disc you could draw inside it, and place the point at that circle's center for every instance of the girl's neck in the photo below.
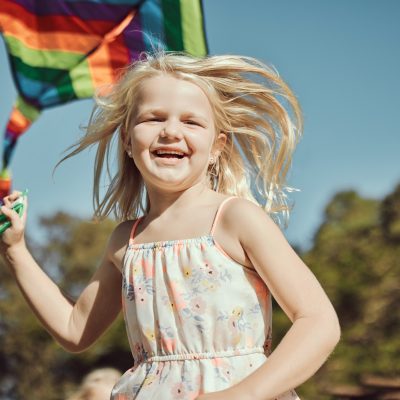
(169, 203)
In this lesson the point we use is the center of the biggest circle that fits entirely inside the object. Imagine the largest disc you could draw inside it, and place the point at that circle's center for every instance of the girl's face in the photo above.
(173, 116)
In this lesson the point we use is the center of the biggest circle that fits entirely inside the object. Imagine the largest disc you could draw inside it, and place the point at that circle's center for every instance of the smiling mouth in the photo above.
(172, 155)
(169, 159)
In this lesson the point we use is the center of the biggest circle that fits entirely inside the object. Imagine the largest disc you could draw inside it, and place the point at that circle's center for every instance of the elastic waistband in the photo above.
(205, 355)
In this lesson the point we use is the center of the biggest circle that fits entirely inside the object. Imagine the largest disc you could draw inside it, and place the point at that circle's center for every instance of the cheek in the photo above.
(141, 140)
(200, 142)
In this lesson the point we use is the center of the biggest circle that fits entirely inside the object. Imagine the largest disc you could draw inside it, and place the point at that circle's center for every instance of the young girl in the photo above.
(204, 146)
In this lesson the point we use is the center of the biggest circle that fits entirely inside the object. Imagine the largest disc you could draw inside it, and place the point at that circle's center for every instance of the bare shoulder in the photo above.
(118, 242)
(244, 228)
(231, 228)
(247, 220)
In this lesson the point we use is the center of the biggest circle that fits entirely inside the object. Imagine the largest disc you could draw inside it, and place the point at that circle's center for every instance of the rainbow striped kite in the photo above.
(62, 50)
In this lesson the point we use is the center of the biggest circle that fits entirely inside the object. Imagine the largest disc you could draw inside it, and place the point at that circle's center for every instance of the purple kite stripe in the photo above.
(10, 136)
(84, 10)
(133, 38)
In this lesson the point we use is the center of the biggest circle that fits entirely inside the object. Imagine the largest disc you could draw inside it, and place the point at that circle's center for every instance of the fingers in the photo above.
(17, 221)
(8, 200)
(25, 212)
(12, 216)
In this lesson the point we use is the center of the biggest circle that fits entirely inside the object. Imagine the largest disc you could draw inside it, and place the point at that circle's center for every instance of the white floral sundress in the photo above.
(197, 321)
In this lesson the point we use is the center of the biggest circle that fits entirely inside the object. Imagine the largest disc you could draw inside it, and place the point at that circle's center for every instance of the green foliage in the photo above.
(355, 258)
(390, 216)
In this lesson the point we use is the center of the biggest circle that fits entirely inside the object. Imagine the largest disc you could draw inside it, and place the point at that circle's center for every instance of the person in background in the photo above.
(97, 385)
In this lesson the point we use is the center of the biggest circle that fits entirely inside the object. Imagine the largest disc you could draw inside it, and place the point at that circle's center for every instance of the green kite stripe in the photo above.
(39, 58)
(192, 27)
(41, 74)
(81, 78)
(172, 25)
(27, 109)
(65, 89)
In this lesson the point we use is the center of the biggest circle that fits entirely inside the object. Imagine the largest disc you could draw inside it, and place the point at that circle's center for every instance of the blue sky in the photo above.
(342, 60)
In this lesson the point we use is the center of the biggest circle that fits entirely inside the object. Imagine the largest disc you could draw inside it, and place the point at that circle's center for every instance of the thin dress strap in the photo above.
(218, 213)
(133, 230)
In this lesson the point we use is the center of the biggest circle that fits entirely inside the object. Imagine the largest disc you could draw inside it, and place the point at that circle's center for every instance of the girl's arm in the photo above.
(75, 325)
(315, 330)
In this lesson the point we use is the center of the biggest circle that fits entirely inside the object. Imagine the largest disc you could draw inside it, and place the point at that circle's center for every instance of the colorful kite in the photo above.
(62, 50)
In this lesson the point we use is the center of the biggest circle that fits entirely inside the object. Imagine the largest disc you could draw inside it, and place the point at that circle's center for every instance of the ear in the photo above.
(126, 141)
(220, 143)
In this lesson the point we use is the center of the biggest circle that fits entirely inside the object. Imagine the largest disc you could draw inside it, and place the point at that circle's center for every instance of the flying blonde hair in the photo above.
(252, 105)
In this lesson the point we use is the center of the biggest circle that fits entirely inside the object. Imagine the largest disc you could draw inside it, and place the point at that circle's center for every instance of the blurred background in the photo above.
(342, 60)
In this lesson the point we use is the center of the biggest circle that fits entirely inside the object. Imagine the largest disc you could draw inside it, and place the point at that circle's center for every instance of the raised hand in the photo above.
(14, 235)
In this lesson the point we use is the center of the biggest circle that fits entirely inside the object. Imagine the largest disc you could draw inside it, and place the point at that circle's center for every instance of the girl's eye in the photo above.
(190, 122)
(150, 119)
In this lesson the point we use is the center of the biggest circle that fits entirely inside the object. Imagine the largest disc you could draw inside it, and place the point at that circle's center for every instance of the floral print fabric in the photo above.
(197, 321)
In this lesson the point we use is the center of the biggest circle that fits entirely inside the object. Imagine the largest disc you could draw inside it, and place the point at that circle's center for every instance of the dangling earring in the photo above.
(214, 172)
(213, 163)
(129, 153)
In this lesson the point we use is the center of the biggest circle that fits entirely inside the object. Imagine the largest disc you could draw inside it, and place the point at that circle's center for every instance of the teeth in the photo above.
(169, 152)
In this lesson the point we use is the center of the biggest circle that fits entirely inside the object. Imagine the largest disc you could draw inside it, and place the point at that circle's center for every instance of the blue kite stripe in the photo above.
(153, 23)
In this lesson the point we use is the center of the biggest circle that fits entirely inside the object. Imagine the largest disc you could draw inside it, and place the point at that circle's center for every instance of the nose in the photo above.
(171, 129)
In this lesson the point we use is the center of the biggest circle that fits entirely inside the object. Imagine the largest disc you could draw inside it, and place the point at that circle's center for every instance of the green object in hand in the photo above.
(18, 206)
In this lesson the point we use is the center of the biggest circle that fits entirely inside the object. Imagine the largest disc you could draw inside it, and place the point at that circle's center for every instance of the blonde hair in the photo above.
(252, 105)
(97, 383)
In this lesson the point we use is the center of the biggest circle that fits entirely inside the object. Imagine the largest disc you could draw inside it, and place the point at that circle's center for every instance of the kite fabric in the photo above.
(63, 50)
